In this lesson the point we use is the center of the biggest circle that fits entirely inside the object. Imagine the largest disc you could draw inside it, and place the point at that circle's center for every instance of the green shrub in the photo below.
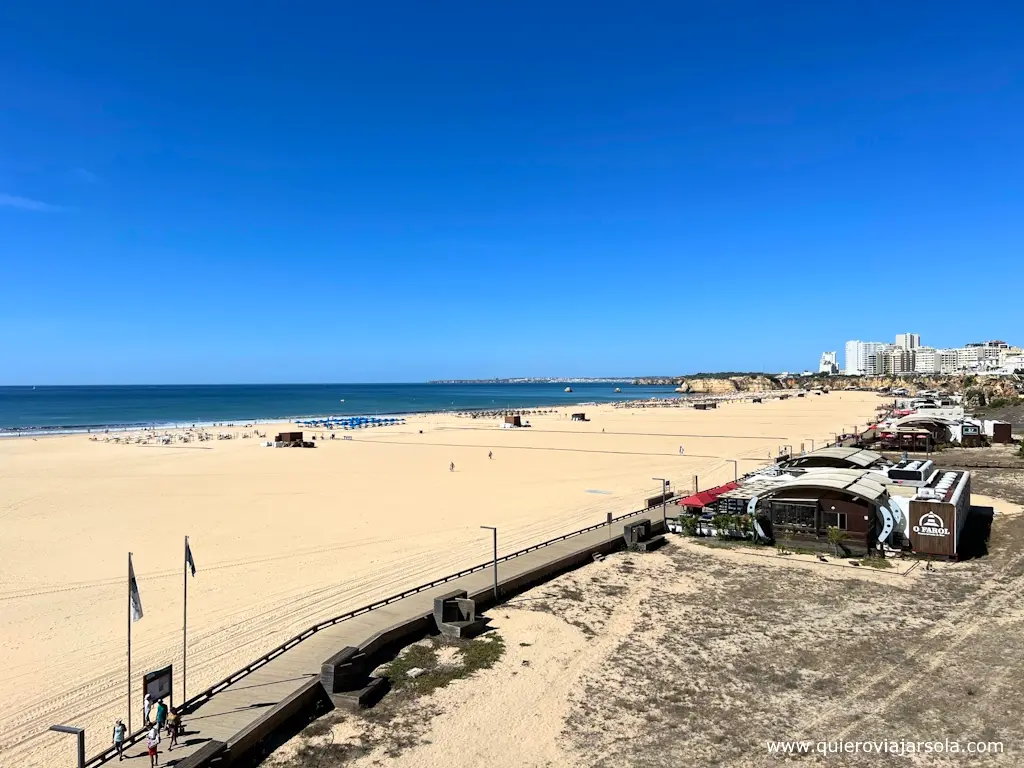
(723, 524)
(836, 536)
(689, 524)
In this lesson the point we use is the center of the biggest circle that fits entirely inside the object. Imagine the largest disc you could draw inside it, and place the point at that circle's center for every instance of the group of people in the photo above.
(158, 719)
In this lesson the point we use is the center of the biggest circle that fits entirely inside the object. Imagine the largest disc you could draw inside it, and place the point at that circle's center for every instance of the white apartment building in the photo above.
(1011, 358)
(872, 358)
(926, 360)
(908, 340)
(828, 363)
(857, 357)
(1011, 363)
(947, 360)
(968, 358)
(895, 360)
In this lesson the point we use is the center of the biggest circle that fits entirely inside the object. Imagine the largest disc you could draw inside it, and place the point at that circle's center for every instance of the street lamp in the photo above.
(494, 530)
(80, 733)
(735, 469)
(664, 493)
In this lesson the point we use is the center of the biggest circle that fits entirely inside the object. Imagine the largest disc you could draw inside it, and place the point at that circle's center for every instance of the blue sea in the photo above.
(80, 409)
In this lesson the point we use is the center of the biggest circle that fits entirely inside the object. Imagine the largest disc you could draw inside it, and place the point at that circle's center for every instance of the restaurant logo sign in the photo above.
(931, 524)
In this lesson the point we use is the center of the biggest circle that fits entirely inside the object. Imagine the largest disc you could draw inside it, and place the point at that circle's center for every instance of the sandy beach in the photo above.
(700, 654)
(286, 537)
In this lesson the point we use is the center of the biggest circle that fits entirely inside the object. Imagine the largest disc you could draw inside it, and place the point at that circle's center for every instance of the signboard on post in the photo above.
(159, 684)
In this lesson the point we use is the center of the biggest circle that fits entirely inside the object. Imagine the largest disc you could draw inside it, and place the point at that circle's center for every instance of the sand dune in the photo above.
(283, 538)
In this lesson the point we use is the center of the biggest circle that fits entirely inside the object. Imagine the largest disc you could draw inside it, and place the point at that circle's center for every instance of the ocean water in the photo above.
(79, 409)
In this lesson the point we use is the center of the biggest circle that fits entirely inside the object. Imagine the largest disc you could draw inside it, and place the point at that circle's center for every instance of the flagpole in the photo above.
(184, 626)
(129, 642)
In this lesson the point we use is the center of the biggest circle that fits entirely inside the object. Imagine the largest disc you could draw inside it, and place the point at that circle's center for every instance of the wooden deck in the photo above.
(233, 714)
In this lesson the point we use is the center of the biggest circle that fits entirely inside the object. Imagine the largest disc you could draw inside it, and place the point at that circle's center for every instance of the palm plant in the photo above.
(835, 537)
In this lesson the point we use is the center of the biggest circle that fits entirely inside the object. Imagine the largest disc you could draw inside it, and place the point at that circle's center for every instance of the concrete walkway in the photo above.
(238, 707)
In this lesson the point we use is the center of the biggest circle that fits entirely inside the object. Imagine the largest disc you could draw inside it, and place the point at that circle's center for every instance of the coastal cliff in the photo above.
(989, 386)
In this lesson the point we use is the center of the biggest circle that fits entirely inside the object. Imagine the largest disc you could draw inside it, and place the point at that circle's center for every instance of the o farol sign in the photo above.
(931, 524)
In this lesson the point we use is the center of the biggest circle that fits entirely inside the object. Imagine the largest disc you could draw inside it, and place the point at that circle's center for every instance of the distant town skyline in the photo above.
(907, 354)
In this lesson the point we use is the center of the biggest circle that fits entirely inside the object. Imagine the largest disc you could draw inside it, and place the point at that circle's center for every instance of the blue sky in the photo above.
(402, 191)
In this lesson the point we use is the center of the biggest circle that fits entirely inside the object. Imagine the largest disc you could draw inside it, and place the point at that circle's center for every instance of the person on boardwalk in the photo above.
(152, 742)
(120, 730)
(490, 454)
(173, 726)
(147, 705)
(161, 715)
(451, 467)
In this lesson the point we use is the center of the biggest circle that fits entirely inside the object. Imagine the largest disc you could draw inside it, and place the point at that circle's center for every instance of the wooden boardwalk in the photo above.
(232, 712)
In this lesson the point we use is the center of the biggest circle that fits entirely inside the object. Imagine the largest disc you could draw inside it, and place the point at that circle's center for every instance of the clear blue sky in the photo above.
(408, 190)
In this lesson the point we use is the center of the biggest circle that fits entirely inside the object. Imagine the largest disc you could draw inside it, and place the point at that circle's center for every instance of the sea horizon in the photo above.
(69, 408)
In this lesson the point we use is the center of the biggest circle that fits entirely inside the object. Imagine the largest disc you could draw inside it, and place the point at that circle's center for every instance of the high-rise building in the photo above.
(857, 354)
(850, 364)
(926, 360)
(874, 364)
(828, 363)
(892, 360)
(908, 340)
(902, 360)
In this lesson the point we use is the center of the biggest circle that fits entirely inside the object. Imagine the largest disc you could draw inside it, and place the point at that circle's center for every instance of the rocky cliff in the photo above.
(976, 387)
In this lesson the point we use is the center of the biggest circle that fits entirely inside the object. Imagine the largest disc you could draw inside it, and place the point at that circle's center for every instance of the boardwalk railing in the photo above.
(200, 698)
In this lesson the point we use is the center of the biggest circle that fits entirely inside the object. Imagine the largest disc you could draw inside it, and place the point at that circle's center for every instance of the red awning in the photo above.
(702, 499)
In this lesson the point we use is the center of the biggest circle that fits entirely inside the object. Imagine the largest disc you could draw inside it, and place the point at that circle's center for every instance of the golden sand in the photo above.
(286, 537)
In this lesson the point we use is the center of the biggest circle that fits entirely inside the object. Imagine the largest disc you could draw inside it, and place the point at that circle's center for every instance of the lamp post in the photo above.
(494, 531)
(80, 733)
(735, 469)
(664, 493)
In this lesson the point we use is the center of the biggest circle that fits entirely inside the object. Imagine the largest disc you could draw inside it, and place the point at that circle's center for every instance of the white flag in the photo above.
(133, 593)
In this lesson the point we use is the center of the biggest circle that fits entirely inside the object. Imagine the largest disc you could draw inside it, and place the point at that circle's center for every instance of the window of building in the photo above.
(797, 516)
(836, 519)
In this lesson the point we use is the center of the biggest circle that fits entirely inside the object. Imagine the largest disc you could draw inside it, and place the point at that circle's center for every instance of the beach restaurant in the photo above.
(802, 508)
(698, 502)
(836, 457)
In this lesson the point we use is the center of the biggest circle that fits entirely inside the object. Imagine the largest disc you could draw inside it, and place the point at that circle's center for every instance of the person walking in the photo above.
(120, 730)
(451, 467)
(161, 715)
(147, 705)
(173, 726)
(490, 454)
(152, 742)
